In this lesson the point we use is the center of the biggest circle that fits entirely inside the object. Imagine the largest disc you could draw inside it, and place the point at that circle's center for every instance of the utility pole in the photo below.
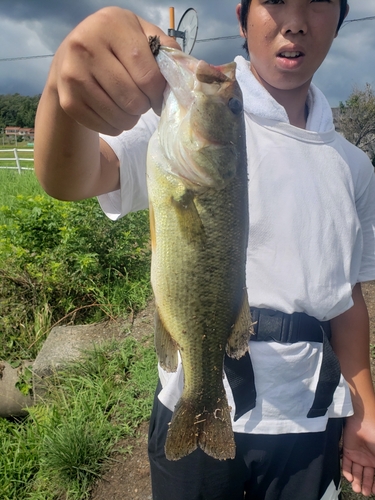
(171, 18)
(186, 30)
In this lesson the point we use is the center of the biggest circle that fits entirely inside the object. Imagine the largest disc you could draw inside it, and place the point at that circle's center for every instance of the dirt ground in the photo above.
(128, 478)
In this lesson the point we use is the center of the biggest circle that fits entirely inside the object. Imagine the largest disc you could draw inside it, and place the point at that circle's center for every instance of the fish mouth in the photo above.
(185, 74)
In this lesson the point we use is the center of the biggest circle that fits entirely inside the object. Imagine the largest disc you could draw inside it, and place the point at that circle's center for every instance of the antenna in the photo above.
(187, 29)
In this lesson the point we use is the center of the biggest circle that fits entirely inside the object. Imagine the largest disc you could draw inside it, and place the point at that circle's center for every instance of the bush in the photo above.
(67, 260)
(356, 119)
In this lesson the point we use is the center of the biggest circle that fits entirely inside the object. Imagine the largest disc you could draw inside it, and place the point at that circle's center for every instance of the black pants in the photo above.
(266, 467)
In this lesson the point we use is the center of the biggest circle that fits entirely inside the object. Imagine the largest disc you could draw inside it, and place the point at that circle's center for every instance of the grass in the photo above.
(63, 444)
(63, 262)
(18, 458)
(13, 184)
(348, 493)
(62, 447)
(21, 155)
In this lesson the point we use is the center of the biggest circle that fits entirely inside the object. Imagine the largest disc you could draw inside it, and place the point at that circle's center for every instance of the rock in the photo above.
(66, 344)
(13, 402)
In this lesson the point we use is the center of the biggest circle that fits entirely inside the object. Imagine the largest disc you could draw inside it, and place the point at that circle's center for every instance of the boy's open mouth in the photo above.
(290, 55)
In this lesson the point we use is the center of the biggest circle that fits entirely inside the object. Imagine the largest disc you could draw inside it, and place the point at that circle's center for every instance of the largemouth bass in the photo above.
(197, 185)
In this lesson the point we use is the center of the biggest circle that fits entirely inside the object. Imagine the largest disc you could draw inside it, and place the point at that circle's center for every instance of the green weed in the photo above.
(62, 447)
(12, 184)
(19, 457)
(66, 262)
(62, 262)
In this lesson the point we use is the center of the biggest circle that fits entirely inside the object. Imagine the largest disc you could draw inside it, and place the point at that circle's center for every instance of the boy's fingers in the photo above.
(85, 95)
(347, 469)
(95, 110)
(361, 478)
(357, 471)
(367, 480)
(126, 68)
(105, 73)
(141, 62)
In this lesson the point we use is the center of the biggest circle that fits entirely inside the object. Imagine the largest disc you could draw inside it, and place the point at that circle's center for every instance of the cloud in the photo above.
(347, 64)
(39, 26)
(23, 77)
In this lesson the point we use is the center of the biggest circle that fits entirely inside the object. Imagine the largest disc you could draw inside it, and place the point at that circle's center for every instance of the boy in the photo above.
(312, 225)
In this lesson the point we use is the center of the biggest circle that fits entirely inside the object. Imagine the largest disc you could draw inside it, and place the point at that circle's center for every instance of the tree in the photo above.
(17, 110)
(356, 119)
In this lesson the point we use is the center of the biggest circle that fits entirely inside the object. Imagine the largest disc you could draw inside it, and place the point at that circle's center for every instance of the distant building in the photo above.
(19, 131)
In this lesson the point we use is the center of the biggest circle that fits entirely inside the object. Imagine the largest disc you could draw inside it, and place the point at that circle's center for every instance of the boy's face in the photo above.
(289, 39)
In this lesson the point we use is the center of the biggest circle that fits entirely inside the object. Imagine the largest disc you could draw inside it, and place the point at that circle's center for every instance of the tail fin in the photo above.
(210, 430)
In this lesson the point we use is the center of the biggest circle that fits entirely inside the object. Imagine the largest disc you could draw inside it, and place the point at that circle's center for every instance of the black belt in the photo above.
(277, 326)
(286, 328)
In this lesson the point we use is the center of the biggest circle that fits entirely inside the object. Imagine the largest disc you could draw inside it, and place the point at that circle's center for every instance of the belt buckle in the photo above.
(273, 325)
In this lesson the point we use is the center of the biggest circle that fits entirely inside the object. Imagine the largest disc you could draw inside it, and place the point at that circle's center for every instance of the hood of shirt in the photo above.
(259, 102)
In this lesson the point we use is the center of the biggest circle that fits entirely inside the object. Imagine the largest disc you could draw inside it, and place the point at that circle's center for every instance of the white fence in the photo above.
(16, 158)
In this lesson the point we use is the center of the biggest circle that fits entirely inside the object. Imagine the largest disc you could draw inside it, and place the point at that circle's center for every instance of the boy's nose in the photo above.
(295, 21)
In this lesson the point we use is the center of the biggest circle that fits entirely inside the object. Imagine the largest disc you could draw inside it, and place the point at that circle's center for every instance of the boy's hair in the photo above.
(245, 4)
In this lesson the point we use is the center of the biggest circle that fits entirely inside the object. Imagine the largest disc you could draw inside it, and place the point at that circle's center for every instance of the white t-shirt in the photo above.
(311, 239)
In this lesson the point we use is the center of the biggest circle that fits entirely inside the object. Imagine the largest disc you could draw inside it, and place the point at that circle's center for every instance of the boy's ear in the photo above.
(238, 14)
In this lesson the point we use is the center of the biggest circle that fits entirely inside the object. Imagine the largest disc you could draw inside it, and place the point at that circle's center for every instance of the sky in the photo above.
(37, 27)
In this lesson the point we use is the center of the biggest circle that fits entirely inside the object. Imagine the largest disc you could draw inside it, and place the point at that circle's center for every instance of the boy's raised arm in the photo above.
(102, 78)
(350, 341)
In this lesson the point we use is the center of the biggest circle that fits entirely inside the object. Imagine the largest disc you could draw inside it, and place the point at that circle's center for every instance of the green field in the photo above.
(24, 156)
(13, 184)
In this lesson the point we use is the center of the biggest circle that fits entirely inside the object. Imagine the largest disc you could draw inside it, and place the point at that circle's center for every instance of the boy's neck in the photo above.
(294, 101)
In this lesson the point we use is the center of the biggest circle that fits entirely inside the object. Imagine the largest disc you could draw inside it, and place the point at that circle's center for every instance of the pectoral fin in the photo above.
(238, 341)
(166, 347)
(188, 217)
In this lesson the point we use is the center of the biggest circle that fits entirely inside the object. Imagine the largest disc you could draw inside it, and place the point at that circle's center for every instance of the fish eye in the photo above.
(235, 105)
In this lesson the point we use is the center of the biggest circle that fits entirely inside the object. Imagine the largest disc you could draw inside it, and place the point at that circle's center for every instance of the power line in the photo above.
(25, 57)
(230, 37)
(369, 18)
(201, 40)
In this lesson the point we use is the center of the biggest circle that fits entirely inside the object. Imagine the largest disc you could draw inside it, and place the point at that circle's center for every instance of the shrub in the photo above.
(67, 260)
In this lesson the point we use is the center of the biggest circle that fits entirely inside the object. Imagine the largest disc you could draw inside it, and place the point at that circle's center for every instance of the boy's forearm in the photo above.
(67, 155)
(350, 341)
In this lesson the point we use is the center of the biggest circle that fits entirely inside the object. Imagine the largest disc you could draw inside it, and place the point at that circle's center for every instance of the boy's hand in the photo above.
(350, 341)
(104, 72)
(358, 463)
